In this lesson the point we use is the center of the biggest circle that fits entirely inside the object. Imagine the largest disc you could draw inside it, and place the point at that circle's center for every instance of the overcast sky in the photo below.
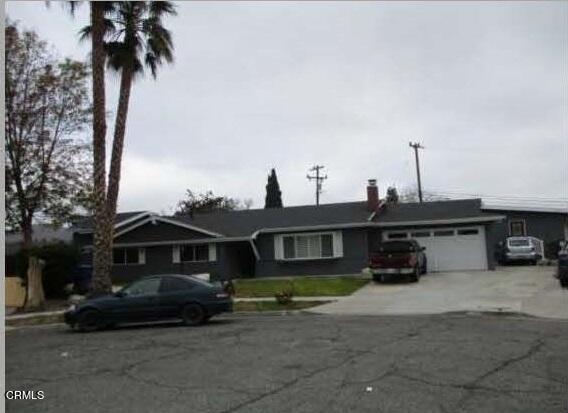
(256, 85)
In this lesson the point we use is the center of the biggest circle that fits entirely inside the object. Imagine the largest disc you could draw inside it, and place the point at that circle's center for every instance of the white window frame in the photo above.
(141, 257)
(176, 253)
(337, 245)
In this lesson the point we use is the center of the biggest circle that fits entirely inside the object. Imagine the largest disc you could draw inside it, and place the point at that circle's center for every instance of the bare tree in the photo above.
(409, 195)
(206, 202)
(47, 167)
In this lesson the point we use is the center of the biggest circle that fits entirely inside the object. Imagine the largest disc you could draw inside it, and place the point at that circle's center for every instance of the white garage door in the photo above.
(448, 249)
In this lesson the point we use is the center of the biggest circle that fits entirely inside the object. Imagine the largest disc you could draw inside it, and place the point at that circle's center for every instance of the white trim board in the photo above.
(156, 218)
(132, 219)
(117, 225)
(452, 221)
(554, 210)
(181, 242)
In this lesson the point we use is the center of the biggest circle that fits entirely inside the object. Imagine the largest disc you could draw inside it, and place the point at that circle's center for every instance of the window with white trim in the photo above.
(194, 253)
(309, 246)
(420, 234)
(128, 256)
(517, 228)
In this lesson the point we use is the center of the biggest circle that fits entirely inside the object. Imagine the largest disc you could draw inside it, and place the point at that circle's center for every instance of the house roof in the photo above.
(245, 223)
(553, 209)
(431, 211)
(121, 217)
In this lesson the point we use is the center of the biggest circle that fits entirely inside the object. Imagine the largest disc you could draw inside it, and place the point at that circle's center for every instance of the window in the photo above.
(397, 246)
(173, 284)
(420, 234)
(517, 228)
(126, 256)
(444, 233)
(143, 287)
(302, 246)
(193, 253)
(397, 235)
(468, 231)
(519, 242)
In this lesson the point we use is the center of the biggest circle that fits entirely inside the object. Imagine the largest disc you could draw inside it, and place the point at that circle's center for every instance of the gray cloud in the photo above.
(282, 84)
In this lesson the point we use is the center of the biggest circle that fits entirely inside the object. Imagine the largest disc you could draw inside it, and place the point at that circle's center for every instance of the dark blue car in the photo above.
(159, 297)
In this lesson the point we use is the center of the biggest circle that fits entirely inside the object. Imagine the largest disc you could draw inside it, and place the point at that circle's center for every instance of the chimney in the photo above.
(372, 195)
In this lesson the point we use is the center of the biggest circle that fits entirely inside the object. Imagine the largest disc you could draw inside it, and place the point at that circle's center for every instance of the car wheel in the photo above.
(377, 278)
(193, 314)
(416, 276)
(88, 320)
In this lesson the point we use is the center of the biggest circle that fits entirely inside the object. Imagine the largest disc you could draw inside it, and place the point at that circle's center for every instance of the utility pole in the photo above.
(319, 179)
(417, 146)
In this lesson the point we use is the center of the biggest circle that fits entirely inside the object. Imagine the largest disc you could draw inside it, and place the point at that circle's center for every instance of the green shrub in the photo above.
(60, 261)
(284, 296)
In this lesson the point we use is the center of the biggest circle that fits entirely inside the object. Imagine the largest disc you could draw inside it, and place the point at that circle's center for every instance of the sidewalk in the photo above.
(318, 298)
(50, 317)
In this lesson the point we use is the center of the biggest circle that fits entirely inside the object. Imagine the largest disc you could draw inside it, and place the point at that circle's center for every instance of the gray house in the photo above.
(301, 240)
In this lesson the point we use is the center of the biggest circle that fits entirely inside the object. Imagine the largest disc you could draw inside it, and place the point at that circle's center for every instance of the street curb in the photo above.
(34, 319)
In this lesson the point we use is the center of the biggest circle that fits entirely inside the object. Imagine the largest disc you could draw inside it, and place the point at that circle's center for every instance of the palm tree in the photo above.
(140, 40)
(98, 29)
(134, 39)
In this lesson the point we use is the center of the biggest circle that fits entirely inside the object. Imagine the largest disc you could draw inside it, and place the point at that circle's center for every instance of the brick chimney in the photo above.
(372, 195)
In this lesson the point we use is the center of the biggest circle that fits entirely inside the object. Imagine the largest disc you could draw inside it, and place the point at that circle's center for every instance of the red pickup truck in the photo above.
(398, 258)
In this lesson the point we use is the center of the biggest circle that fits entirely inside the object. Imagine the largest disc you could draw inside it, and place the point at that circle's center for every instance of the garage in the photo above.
(448, 248)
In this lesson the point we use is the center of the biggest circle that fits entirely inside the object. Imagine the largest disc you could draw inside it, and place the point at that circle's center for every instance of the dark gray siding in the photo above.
(160, 231)
(159, 261)
(233, 259)
(355, 257)
(546, 226)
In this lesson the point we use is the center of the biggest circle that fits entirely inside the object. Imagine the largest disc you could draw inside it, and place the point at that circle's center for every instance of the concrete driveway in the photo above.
(526, 289)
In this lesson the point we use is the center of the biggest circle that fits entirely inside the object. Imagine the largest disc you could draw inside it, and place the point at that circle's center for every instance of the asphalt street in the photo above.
(297, 363)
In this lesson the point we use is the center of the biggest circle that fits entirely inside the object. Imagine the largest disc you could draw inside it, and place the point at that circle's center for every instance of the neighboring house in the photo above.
(305, 240)
(550, 224)
(41, 234)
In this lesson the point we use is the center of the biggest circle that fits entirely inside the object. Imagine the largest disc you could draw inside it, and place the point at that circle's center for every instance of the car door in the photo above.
(138, 301)
(174, 292)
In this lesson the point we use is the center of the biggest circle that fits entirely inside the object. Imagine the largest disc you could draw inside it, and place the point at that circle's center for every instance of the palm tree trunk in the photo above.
(118, 143)
(102, 254)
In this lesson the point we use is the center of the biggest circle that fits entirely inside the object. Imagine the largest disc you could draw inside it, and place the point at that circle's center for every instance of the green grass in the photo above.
(274, 306)
(300, 286)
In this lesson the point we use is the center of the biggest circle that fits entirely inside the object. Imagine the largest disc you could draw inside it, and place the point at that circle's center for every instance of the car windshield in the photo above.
(519, 242)
(396, 246)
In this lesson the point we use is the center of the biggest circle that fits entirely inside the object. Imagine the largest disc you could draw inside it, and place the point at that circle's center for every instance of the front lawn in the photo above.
(274, 306)
(300, 286)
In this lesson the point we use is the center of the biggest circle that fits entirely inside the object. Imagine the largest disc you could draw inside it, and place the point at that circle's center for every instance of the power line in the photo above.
(499, 196)
(319, 180)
